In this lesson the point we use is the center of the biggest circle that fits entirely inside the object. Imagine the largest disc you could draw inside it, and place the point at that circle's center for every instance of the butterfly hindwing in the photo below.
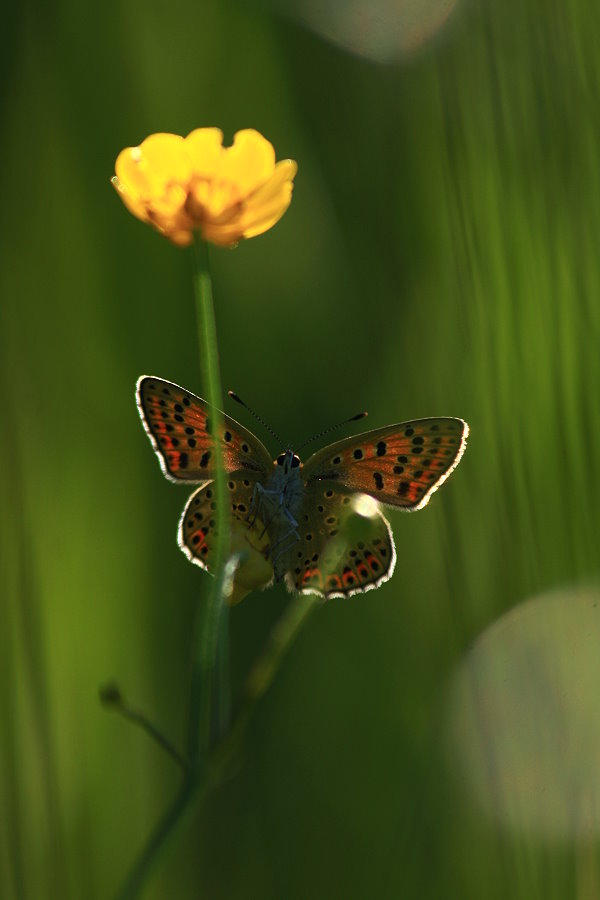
(179, 426)
(196, 534)
(339, 553)
(400, 465)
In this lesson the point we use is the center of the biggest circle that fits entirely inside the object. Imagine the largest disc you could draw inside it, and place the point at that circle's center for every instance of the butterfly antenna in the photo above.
(239, 400)
(360, 415)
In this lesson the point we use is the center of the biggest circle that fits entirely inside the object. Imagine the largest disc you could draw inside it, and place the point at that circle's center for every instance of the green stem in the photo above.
(261, 676)
(207, 631)
(209, 761)
(111, 697)
(164, 832)
(223, 711)
(281, 638)
(209, 627)
(224, 752)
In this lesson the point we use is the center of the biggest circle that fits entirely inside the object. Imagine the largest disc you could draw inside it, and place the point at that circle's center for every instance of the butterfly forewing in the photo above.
(179, 425)
(401, 465)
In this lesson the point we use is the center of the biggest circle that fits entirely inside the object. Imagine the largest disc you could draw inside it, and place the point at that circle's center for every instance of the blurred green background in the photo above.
(440, 257)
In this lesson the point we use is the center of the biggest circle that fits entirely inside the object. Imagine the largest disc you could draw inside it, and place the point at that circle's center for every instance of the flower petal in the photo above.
(204, 148)
(285, 171)
(268, 203)
(249, 162)
(268, 219)
(181, 238)
(165, 158)
(132, 201)
(170, 203)
(222, 235)
(147, 169)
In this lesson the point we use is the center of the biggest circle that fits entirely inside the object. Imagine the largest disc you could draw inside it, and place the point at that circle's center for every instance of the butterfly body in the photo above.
(300, 523)
(278, 505)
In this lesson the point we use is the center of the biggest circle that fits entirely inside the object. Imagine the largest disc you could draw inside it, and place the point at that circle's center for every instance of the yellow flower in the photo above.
(180, 184)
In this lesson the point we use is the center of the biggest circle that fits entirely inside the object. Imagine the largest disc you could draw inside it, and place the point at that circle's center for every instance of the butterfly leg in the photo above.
(256, 504)
(293, 531)
(267, 506)
(261, 502)
(280, 550)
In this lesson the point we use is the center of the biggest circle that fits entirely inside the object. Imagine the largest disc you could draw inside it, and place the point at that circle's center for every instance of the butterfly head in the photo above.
(288, 460)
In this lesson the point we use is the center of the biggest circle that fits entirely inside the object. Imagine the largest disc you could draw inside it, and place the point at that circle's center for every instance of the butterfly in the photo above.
(304, 517)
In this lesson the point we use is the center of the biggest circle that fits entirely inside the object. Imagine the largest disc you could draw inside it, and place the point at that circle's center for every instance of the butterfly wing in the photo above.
(339, 552)
(400, 465)
(196, 535)
(179, 426)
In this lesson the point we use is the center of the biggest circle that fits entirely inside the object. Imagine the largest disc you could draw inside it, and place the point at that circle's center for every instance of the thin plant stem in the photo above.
(261, 676)
(223, 711)
(140, 719)
(210, 752)
(282, 635)
(110, 695)
(219, 762)
(207, 631)
(208, 626)
(164, 832)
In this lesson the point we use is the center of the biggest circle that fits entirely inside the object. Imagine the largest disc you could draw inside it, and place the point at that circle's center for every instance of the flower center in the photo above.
(211, 200)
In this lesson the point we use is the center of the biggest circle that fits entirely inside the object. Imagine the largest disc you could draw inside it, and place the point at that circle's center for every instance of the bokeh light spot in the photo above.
(384, 31)
(524, 717)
